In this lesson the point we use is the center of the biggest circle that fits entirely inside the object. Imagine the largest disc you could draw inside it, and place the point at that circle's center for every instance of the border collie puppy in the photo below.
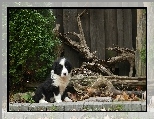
(55, 85)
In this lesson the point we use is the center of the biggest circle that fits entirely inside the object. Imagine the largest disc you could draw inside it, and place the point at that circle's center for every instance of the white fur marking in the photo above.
(58, 98)
(42, 101)
(52, 73)
(62, 61)
(67, 99)
(64, 70)
(61, 82)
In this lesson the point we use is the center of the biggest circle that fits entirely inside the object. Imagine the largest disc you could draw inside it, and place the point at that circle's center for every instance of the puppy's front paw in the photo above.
(58, 101)
(58, 98)
(67, 99)
(42, 101)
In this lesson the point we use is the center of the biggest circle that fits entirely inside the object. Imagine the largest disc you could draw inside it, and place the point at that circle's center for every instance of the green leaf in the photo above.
(31, 43)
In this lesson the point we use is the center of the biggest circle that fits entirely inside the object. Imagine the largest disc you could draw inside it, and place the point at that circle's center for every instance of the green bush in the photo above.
(32, 45)
(143, 53)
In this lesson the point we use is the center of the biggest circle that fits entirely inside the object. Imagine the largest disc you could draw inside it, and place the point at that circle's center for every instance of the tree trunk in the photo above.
(140, 42)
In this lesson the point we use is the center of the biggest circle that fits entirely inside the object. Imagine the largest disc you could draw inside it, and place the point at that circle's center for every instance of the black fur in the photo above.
(58, 68)
(47, 88)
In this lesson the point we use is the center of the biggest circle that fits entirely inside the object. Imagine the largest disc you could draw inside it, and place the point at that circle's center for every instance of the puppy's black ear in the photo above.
(69, 66)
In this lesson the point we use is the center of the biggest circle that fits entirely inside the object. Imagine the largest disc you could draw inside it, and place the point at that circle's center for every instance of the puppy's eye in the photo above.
(67, 66)
(59, 66)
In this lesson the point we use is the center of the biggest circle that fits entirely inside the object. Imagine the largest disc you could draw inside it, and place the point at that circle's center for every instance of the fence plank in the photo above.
(59, 18)
(102, 28)
(141, 39)
(120, 27)
(126, 42)
(97, 32)
(111, 31)
(134, 27)
(70, 25)
(127, 28)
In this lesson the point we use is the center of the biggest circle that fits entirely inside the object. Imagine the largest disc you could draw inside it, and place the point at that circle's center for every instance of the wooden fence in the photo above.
(103, 28)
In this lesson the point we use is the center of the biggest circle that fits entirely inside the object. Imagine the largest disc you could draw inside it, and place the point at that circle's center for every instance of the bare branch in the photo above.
(82, 38)
(97, 67)
(72, 33)
(125, 54)
(82, 13)
(81, 46)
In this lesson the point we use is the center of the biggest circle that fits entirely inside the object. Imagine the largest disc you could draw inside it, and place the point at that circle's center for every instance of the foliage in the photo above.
(143, 52)
(27, 97)
(32, 44)
(22, 97)
(53, 108)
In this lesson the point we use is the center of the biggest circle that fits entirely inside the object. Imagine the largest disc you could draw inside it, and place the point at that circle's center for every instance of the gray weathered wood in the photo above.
(140, 40)
(120, 26)
(110, 31)
(102, 28)
(97, 32)
(80, 106)
(70, 25)
(127, 28)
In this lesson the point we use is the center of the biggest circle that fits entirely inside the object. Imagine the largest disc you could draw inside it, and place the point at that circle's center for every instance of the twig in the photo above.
(82, 38)
(72, 33)
(125, 54)
(82, 47)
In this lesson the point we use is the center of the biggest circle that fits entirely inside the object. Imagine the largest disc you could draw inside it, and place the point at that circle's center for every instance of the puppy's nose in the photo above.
(64, 74)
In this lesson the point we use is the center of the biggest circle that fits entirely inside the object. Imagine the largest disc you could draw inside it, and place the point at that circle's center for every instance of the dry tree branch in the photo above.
(82, 48)
(125, 54)
(82, 38)
(97, 67)
(93, 63)
(72, 33)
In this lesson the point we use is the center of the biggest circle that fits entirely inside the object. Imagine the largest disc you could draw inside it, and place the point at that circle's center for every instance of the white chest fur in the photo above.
(61, 82)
